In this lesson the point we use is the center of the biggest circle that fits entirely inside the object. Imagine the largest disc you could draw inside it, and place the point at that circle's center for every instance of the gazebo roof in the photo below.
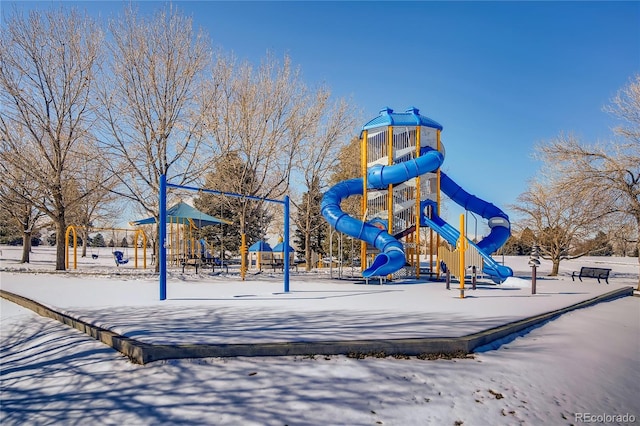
(279, 248)
(260, 246)
(183, 212)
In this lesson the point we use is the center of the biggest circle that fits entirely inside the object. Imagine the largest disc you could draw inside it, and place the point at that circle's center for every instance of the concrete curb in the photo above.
(143, 353)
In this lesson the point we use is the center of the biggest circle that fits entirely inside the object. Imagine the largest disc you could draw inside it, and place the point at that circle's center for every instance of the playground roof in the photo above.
(183, 212)
(279, 248)
(411, 117)
(260, 246)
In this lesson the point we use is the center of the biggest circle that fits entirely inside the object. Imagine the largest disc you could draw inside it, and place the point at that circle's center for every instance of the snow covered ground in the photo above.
(580, 368)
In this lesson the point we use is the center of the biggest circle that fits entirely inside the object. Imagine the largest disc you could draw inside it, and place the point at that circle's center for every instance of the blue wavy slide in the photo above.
(498, 224)
(391, 257)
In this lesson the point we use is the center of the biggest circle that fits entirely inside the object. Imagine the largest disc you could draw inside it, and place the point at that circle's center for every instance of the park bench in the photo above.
(278, 264)
(213, 262)
(273, 264)
(193, 262)
(590, 272)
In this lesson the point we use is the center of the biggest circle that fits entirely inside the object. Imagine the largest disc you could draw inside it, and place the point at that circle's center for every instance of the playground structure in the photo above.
(278, 253)
(260, 254)
(119, 256)
(263, 256)
(401, 185)
(185, 243)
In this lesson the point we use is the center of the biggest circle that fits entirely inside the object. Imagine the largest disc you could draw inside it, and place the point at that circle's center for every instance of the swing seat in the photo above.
(119, 258)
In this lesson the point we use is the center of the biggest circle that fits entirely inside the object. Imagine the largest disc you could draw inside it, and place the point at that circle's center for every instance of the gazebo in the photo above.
(260, 253)
(278, 252)
(182, 220)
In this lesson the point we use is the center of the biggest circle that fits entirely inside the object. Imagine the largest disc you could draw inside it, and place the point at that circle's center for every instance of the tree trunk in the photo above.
(638, 247)
(85, 237)
(61, 229)
(156, 247)
(555, 267)
(638, 288)
(307, 251)
(60, 245)
(26, 246)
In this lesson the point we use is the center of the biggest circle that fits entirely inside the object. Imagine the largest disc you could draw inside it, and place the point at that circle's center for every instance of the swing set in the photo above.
(162, 258)
(120, 257)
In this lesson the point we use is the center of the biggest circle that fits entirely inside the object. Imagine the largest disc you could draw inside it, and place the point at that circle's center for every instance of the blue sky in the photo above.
(499, 76)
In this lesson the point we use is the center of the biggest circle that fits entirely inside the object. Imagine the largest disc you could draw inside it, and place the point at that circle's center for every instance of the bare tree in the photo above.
(609, 170)
(623, 238)
(48, 63)
(626, 107)
(95, 180)
(348, 167)
(263, 115)
(561, 220)
(154, 103)
(319, 156)
(24, 215)
(15, 192)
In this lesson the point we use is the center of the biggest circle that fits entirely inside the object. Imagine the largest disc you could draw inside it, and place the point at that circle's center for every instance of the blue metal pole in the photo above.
(162, 238)
(286, 244)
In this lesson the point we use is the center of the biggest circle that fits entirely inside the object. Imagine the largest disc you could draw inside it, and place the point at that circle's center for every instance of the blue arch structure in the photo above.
(162, 255)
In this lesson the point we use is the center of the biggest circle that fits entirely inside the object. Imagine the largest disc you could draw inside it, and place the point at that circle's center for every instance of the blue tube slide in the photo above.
(391, 257)
(498, 224)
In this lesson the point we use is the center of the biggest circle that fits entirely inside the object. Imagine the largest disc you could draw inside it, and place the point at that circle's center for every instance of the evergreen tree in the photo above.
(310, 233)
(512, 247)
(231, 175)
(522, 244)
(601, 245)
(98, 241)
(8, 230)
(223, 237)
(597, 246)
(527, 241)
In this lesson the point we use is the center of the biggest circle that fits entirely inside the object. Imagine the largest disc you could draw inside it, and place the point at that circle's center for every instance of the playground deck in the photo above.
(212, 316)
